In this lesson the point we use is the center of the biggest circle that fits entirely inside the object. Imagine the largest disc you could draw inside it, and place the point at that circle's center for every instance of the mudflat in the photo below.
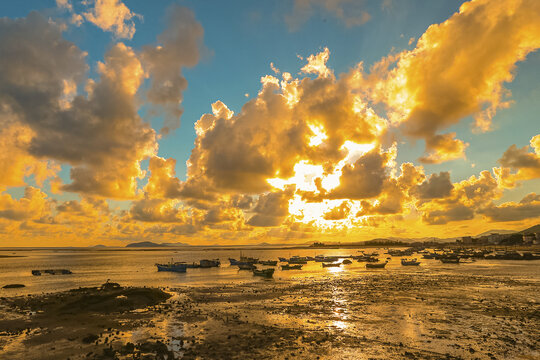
(380, 316)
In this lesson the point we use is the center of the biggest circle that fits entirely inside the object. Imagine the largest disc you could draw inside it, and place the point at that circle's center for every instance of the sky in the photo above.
(289, 121)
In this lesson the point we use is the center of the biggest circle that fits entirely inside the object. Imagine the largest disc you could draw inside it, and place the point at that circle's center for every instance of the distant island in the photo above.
(149, 244)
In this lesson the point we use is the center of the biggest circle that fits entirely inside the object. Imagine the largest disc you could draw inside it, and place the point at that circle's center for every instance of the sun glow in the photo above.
(304, 177)
(312, 178)
(314, 212)
(319, 135)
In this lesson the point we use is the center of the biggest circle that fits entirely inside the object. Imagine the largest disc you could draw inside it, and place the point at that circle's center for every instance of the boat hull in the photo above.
(375, 266)
(181, 268)
(268, 273)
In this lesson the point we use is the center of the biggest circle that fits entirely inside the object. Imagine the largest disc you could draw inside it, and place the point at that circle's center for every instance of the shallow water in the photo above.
(134, 267)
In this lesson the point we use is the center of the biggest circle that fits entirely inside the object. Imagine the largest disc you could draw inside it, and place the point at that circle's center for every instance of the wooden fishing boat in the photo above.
(410, 262)
(325, 265)
(173, 266)
(268, 273)
(291, 267)
(380, 265)
(450, 260)
(244, 266)
(269, 262)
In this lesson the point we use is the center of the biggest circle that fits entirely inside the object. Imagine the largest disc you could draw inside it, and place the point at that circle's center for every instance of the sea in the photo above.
(136, 267)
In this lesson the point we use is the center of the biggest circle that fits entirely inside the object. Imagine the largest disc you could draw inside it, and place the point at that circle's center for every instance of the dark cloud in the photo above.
(515, 158)
(339, 212)
(435, 187)
(365, 179)
(271, 209)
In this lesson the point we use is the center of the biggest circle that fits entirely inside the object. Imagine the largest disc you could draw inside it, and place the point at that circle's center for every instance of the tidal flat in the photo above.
(382, 315)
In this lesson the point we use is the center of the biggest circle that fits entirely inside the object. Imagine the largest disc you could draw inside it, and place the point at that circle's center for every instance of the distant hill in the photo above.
(145, 244)
(485, 233)
(99, 246)
(532, 229)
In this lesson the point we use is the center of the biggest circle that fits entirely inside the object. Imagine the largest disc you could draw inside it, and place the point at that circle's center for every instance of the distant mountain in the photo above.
(99, 246)
(532, 229)
(263, 244)
(145, 244)
(495, 231)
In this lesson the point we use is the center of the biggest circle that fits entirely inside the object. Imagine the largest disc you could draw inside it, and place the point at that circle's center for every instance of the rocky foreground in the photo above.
(380, 316)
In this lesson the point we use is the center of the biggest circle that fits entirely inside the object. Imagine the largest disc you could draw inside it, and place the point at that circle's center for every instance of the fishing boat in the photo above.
(450, 260)
(291, 267)
(366, 258)
(246, 266)
(193, 266)
(324, 265)
(269, 262)
(322, 258)
(243, 260)
(268, 273)
(398, 252)
(297, 260)
(410, 262)
(173, 266)
(380, 265)
(209, 263)
(57, 272)
(52, 272)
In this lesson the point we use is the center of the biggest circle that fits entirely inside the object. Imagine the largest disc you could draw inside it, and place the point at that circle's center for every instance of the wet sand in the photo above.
(383, 315)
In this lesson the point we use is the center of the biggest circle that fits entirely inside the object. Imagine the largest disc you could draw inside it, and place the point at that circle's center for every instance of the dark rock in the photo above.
(90, 338)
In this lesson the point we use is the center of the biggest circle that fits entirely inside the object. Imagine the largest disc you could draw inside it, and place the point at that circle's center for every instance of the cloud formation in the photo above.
(110, 15)
(457, 69)
(518, 164)
(33, 205)
(178, 47)
(100, 133)
(314, 154)
(527, 208)
(462, 203)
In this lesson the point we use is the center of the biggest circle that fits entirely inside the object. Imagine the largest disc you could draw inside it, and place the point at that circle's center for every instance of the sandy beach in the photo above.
(380, 316)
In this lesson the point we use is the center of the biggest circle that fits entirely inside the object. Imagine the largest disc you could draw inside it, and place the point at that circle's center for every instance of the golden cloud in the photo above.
(527, 208)
(457, 69)
(525, 164)
(111, 15)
